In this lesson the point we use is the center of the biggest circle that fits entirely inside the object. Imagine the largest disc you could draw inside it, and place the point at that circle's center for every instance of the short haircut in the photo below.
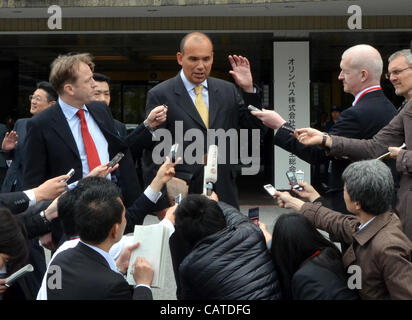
(370, 182)
(51, 93)
(402, 53)
(198, 35)
(364, 56)
(197, 217)
(101, 78)
(294, 240)
(96, 211)
(64, 69)
(13, 241)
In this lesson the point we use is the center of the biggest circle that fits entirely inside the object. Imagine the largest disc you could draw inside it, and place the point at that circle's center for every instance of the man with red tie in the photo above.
(78, 133)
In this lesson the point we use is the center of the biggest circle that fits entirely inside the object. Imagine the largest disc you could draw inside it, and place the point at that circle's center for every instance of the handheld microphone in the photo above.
(18, 274)
(210, 170)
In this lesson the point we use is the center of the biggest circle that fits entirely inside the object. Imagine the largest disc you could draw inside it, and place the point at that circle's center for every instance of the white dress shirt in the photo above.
(73, 121)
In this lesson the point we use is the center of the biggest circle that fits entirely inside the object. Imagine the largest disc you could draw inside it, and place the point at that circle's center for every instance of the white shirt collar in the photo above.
(376, 87)
(188, 85)
(68, 110)
(106, 255)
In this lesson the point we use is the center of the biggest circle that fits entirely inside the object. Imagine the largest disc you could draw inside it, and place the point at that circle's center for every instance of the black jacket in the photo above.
(232, 264)
(322, 277)
(86, 275)
(362, 121)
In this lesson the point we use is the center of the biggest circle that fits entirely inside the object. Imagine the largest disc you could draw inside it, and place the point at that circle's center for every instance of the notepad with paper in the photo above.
(154, 243)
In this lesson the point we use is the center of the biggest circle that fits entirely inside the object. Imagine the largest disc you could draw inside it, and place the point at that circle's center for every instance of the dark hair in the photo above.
(51, 93)
(101, 78)
(198, 35)
(13, 241)
(97, 210)
(294, 240)
(197, 217)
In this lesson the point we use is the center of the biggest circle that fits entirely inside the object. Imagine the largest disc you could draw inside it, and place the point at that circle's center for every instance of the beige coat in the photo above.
(380, 249)
(398, 131)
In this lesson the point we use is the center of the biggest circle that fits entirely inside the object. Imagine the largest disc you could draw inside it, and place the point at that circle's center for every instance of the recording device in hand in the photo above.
(270, 189)
(253, 108)
(210, 170)
(18, 274)
(178, 198)
(254, 215)
(173, 152)
(293, 181)
(116, 159)
(70, 174)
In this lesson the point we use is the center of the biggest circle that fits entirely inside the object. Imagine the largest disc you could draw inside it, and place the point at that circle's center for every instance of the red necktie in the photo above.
(91, 151)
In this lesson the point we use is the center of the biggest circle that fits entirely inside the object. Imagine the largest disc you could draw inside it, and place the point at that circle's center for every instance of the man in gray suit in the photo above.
(201, 102)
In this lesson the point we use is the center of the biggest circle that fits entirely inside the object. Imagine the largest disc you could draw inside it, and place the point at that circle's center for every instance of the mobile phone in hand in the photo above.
(178, 198)
(270, 189)
(293, 181)
(116, 159)
(254, 215)
(253, 108)
(173, 152)
(70, 174)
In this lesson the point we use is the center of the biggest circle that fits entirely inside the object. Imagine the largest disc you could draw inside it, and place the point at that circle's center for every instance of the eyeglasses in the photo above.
(396, 72)
(37, 98)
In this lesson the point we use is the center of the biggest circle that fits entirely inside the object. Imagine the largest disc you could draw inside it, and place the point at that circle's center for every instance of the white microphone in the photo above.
(18, 274)
(210, 170)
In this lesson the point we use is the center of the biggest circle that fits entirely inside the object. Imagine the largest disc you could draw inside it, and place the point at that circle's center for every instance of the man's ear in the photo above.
(114, 230)
(179, 57)
(364, 75)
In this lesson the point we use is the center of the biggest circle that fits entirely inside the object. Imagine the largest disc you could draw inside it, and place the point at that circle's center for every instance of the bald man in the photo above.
(361, 70)
(223, 106)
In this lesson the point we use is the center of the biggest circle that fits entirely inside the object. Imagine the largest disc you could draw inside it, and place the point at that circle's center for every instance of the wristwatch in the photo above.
(146, 124)
(43, 217)
(324, 138)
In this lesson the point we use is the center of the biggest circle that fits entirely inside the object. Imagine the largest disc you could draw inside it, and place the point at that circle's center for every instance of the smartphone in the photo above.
(173, 152)
(70, 174)
(270, 189)
(254, 215)
(116, 159)
(178, 198)
(253, 108)
(165, 106)
(18, 274)
(293, 181)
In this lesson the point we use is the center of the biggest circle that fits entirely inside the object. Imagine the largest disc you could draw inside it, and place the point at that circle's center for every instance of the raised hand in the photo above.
(308, 192)
(157, 116)
(50, 189)
(285, 200)
(241, 72)
(9, 141)
(103, 170)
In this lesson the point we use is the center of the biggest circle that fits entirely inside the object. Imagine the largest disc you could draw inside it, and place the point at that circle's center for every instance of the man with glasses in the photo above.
(389, 138)
(42, 98)
(400, 74)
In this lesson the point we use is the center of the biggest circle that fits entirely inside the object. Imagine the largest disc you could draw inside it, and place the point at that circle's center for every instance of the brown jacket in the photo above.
(398, 131)
(380, 249)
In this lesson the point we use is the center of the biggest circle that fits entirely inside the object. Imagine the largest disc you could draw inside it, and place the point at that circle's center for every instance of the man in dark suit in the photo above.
(79, 134)
(361, 70)
(42, 98)
(197, 101)
(102, 93)
(87, 271)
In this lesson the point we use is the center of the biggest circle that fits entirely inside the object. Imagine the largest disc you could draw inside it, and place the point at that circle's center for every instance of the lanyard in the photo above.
(374, 88)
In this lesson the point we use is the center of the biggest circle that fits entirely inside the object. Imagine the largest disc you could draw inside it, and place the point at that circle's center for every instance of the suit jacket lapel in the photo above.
(185, 102)
(60, 125)
(213, 102)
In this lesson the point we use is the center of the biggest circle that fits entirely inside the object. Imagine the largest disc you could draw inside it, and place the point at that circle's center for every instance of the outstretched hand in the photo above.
(285, 200)
(309, 136)
(157, 116)
(269, 118)
(308, 192)
(241, 72)
(9, 141)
